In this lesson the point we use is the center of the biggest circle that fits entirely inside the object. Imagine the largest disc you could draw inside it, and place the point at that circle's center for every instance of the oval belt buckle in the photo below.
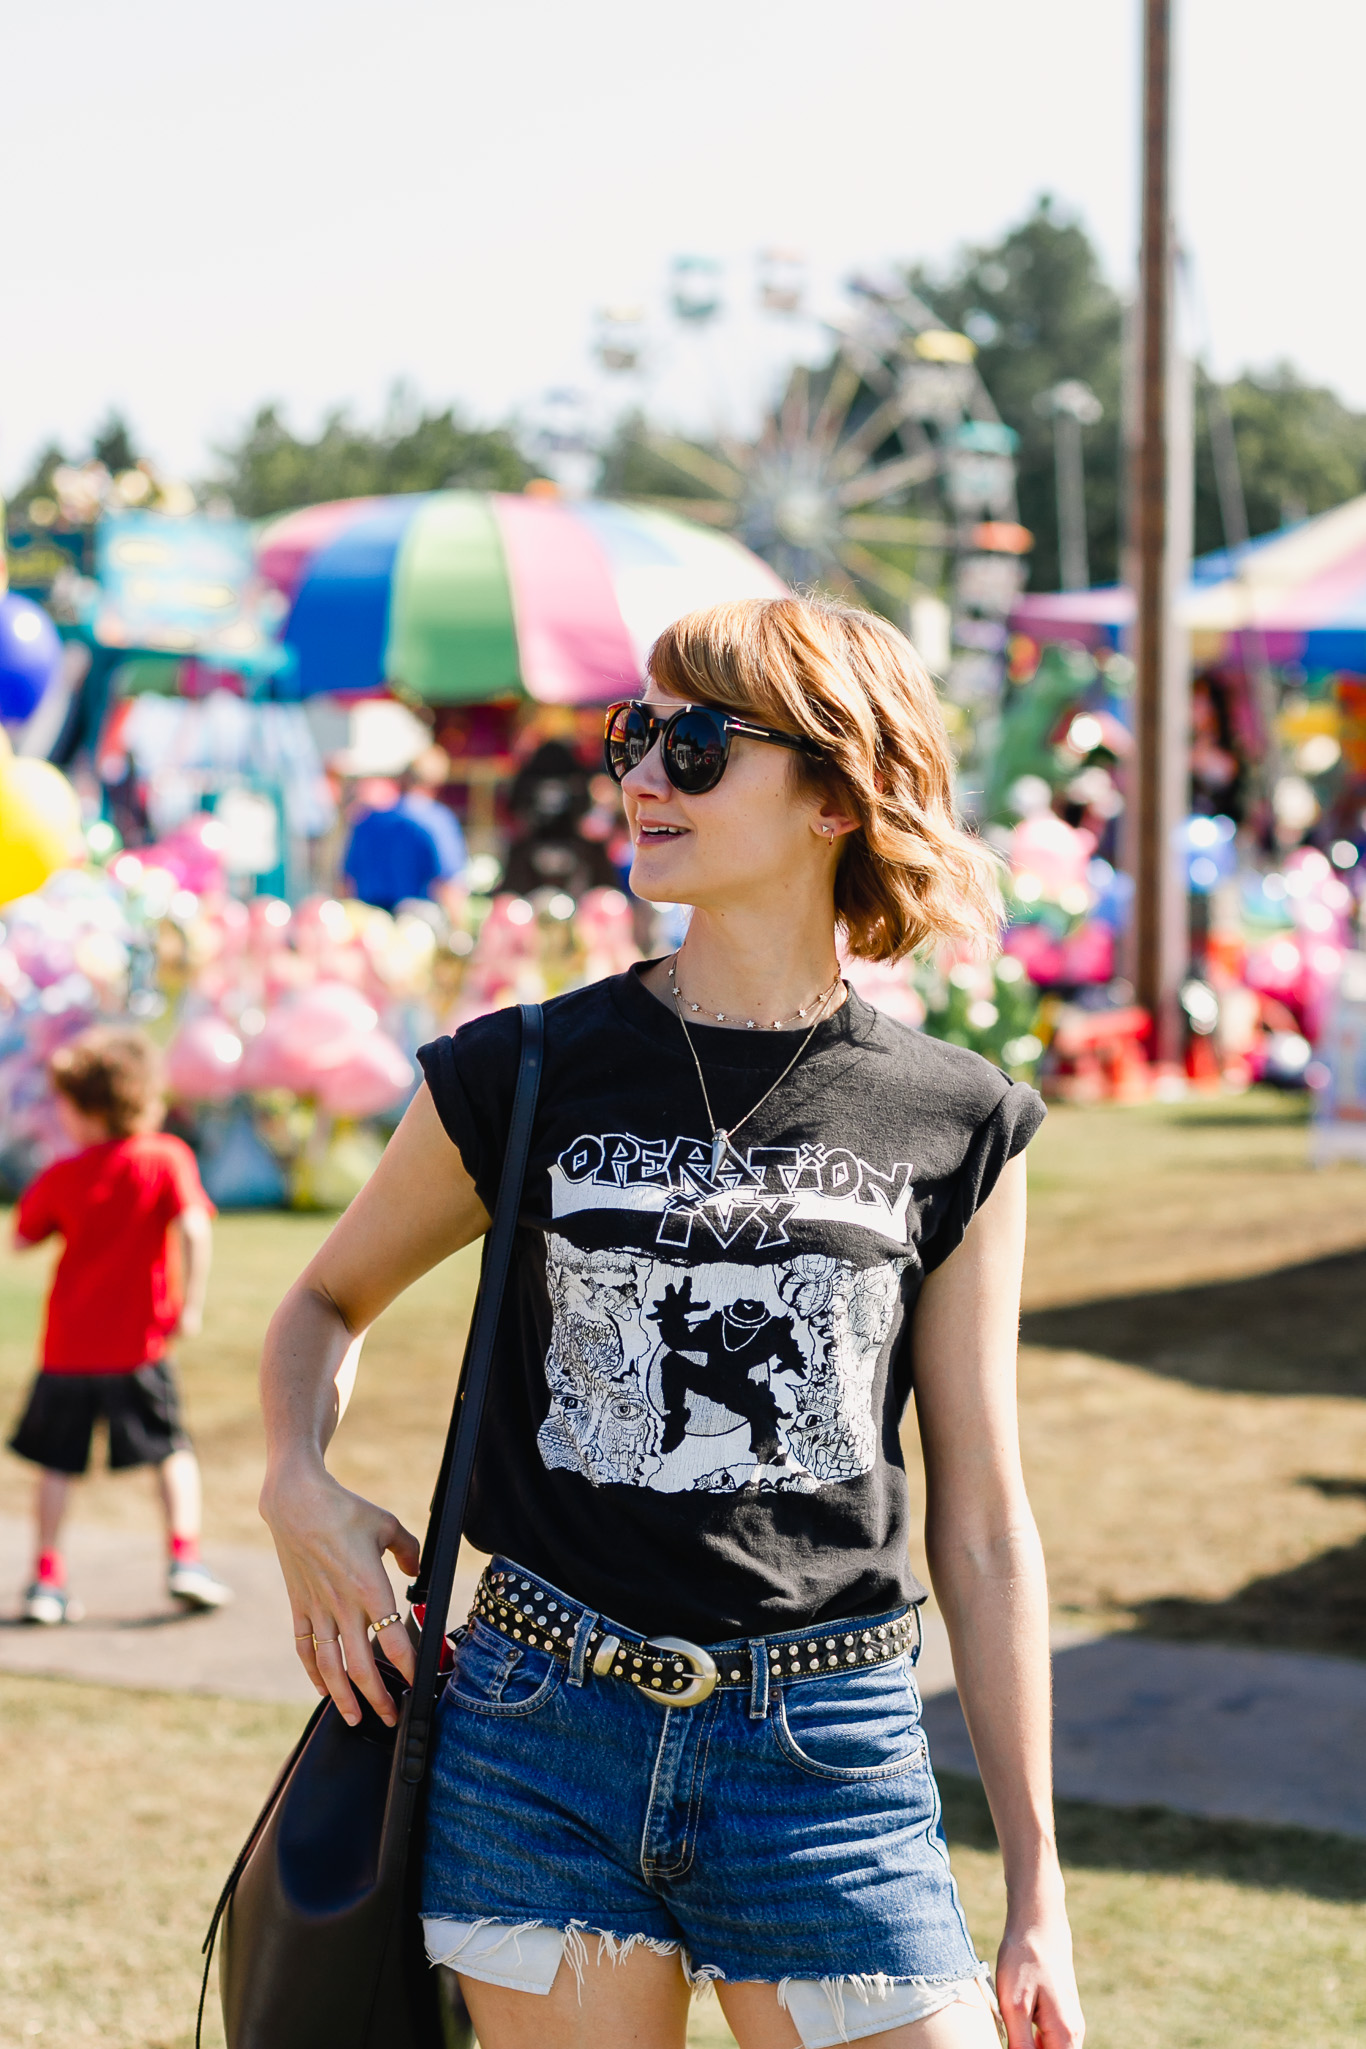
(703, 1664)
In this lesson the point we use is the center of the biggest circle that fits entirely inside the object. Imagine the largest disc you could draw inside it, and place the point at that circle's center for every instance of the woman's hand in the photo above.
(1036, 1986)
(331, 1545)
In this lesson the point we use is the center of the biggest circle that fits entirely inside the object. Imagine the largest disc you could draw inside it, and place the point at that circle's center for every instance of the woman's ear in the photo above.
(831, 823)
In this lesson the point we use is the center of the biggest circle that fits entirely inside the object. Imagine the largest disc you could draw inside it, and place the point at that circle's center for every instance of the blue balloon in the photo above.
(30, 656)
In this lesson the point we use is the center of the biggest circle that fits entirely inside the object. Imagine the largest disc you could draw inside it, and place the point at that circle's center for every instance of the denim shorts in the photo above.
(792, 1838)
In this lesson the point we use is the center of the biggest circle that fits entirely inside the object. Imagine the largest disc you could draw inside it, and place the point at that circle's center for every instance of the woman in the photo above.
(681, 1737)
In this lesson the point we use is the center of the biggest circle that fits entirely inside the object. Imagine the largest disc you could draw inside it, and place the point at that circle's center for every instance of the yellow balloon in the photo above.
(40, 824)
(50, 797)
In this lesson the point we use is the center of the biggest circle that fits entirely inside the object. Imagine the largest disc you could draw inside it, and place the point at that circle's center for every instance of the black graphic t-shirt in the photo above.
(693, 1419)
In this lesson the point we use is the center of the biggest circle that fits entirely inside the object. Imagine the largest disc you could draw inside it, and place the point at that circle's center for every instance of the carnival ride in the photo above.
(880, 472)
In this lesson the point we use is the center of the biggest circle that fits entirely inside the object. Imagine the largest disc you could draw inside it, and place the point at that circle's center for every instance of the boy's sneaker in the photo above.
(196, 1586)
(45, 1604)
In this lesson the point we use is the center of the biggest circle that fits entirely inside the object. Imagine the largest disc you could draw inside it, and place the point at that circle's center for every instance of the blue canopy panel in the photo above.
(1336, 647)
(339, 625)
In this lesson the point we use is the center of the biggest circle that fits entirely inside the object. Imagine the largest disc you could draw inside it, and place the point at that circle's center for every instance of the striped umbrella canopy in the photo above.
(1301, 591)
(462, 596)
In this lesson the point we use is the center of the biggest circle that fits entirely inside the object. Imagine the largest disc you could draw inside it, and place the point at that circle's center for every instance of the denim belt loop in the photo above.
(758, 1680)
(578, 1655)
(919, 1638)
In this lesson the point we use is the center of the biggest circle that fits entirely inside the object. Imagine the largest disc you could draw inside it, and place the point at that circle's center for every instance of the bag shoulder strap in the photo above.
(436, 1573)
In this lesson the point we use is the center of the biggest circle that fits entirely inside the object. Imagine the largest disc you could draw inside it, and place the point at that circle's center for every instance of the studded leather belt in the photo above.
(670, 1670)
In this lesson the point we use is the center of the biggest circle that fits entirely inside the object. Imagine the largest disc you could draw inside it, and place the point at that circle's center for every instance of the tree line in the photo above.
(1040, 311)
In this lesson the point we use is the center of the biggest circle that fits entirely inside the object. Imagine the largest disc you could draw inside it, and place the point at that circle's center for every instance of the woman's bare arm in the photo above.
(417, 1208)
(988, 1572)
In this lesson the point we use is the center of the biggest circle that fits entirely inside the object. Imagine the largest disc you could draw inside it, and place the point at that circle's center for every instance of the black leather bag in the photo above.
(320, 1941)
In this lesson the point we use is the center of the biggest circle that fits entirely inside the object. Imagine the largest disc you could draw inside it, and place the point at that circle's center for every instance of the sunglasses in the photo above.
(694, 742)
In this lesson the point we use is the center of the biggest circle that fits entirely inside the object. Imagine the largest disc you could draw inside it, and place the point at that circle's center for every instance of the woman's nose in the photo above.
(647, 778)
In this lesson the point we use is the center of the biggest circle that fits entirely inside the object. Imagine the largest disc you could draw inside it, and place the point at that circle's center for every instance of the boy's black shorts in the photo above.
(142, 1410)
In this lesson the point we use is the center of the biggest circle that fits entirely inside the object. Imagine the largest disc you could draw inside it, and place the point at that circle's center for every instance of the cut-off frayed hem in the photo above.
(819, 2008)
(525, 1956)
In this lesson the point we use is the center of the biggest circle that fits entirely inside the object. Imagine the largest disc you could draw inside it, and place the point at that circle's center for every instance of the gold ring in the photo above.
(327, 1639)
(385, 1622)
(303, 1636)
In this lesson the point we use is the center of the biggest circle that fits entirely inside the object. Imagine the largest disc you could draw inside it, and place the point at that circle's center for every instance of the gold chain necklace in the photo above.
(720, 1138)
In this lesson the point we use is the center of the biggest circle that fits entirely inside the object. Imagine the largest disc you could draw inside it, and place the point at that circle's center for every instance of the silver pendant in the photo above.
(720, 1146)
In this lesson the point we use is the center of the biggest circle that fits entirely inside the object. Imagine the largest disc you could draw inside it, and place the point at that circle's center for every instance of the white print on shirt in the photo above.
(761, 1192)
(715, 1377)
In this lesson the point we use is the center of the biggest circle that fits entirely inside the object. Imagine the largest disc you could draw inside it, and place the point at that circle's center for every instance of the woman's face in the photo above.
(757, 837)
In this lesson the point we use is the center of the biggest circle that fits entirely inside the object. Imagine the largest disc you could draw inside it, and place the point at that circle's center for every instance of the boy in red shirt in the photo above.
(133, 1273)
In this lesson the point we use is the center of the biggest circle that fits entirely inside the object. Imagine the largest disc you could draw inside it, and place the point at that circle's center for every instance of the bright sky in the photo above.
(207, 206)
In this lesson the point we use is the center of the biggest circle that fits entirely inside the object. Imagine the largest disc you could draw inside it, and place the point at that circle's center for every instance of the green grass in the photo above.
(120, 1813)
(1195, 1438)
(119, 1817)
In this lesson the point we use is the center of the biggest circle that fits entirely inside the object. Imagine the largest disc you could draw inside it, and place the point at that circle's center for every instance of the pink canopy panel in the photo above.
(1301, 591)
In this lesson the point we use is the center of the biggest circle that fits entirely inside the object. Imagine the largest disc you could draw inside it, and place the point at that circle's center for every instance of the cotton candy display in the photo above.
(325, 1042)
(1051, 855)
(74, 952)
(1299, 963)
(524, 954)
(363, 1074)
(289, 1029)
(312, 1031)
(889, 987)
(605, 928)
(204, 1061)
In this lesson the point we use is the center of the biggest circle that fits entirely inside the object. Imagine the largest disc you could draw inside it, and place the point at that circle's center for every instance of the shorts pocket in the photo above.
(494, 1677)
(853, 1725)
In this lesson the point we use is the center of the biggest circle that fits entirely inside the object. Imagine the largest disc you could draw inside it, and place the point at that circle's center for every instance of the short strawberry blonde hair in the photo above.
(848, 681)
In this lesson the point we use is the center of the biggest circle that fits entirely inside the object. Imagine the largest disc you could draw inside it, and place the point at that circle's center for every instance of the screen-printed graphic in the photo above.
(749, 1202)
(717, 1376)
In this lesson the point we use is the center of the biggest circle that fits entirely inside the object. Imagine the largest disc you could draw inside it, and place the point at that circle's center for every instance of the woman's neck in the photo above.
(742, 968)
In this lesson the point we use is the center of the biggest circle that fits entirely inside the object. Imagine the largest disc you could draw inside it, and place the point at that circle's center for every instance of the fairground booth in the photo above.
(1277, 819)
(225, 706)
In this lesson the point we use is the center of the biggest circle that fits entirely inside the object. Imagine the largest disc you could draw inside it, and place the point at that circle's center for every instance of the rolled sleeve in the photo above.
(472, 1077)
(1005, 1131)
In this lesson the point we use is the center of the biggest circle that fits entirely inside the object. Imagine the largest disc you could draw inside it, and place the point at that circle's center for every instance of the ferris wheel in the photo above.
(881, 472)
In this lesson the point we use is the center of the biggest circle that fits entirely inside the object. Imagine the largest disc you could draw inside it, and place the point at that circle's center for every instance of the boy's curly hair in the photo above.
(112, 1072)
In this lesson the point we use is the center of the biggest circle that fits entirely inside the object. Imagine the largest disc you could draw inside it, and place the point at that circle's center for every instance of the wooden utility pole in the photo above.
(1157, 795)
